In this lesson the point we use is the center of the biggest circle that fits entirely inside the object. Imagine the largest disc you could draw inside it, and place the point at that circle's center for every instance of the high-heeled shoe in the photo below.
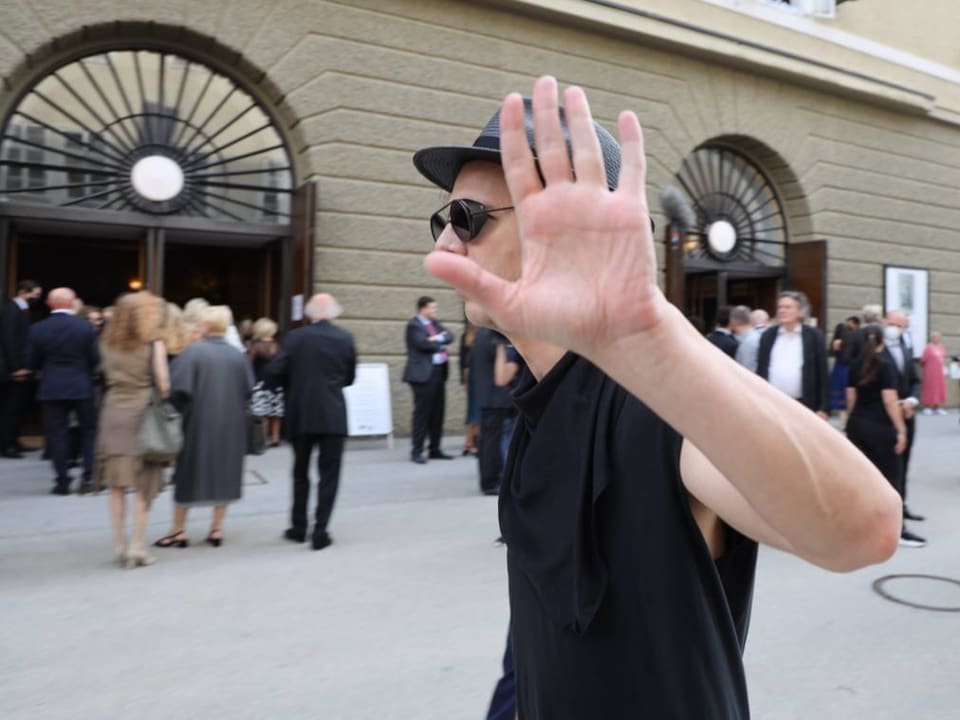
(215, 541)
(177, 539)
(139, 558)
(120, 555)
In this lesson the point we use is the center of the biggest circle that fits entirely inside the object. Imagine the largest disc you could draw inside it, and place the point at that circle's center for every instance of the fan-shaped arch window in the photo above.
(149, 131)
(739, 214)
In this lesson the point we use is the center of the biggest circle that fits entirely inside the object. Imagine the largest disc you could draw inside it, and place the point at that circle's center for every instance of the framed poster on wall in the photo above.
(908, 289)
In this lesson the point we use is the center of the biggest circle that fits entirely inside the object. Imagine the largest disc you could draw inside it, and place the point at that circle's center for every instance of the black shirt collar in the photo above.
(532, 397)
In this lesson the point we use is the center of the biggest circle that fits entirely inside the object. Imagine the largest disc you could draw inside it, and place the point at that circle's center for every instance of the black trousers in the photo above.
(876, 439)
(14, 399)
(911, 424)
(489, 456)
(56, 415)
(328, 467)
(429, 400)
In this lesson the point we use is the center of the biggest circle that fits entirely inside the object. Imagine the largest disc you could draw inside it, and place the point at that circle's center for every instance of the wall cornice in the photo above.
(714, 33)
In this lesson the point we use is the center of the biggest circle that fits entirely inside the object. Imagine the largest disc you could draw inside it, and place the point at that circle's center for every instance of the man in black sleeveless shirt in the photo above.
(629, 509)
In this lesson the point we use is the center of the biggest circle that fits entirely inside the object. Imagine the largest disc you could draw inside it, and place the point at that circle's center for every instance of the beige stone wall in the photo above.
(363, 84)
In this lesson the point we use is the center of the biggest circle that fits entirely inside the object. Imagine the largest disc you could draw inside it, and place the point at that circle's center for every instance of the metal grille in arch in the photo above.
(148, 131)
(739, 215)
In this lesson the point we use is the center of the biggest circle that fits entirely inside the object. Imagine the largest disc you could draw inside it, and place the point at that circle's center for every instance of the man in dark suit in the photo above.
(314, 364)
(901, 357)
(793, 356)
(721, 335)
(63, 348)
(426, 372)
(14, 364)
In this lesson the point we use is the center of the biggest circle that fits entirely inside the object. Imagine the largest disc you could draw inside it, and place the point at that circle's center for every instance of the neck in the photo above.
(791, 326)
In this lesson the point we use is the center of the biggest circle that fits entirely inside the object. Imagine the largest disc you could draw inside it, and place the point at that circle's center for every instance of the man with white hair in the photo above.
(792, 356)
(314, 364)
(760, 319)
(63, 348)
(748, 337)
(872, 315)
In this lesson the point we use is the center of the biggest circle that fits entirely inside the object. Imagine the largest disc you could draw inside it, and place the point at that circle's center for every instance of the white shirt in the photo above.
(786, 362)
(897, 353)
(438, 358)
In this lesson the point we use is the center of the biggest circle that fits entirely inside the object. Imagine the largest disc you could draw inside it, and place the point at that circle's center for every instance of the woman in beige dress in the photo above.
(134, 360)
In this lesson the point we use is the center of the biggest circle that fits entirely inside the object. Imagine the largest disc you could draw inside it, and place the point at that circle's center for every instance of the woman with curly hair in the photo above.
(134, 360)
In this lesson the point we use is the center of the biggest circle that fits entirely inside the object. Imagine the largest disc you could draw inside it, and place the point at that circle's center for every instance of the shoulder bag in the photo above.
(161, 431)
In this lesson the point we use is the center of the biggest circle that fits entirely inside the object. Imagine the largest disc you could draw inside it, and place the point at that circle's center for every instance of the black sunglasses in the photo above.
(466, 216)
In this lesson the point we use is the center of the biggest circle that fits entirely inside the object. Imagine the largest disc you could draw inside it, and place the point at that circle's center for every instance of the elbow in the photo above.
(875, 538)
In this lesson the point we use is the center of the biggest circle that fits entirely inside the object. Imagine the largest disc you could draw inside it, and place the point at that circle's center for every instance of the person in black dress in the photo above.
(267, 401)
(876, 424)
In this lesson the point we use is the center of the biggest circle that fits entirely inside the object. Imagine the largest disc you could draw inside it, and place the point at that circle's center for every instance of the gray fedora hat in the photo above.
(441, 165)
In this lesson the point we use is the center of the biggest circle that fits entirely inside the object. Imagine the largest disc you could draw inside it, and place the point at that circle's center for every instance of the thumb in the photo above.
(471, 280)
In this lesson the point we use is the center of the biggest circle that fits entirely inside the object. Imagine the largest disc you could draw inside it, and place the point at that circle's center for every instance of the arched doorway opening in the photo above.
(738, 248)
(141, 166)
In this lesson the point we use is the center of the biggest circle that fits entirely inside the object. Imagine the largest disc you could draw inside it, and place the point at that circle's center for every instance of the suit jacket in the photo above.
(725, 341)
(815, 380)
(14, 334)
(420, 350)
(908, 379)
(64, 348)
(314, 364)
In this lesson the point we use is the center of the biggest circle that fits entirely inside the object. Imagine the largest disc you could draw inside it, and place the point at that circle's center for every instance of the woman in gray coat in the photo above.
(211, 383)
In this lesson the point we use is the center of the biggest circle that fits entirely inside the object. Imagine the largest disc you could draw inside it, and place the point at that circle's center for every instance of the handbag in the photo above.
(161, 431)
(256, 437)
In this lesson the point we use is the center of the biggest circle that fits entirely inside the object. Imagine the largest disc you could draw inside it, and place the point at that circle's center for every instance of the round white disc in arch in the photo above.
(722, 237)
(157, 178)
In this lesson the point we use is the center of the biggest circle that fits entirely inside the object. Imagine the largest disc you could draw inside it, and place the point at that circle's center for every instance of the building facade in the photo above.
(255, 152)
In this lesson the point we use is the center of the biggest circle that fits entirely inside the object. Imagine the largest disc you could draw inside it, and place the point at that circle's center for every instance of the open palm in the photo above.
(588, 271)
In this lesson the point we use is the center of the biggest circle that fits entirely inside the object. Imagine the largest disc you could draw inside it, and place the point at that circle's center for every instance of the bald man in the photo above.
(314, 364)
(63, 349)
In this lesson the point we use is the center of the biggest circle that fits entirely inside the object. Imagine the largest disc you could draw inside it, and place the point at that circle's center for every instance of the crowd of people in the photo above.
(96, 373)
(877, 383)
(630, 512)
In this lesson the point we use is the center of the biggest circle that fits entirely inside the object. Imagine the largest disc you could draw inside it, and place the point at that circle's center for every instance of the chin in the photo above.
(477, 315)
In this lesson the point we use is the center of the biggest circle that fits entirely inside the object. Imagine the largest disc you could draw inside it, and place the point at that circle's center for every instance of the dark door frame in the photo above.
(155, 231)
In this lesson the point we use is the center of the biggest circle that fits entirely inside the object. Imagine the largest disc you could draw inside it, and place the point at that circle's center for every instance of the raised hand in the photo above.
(588, 270)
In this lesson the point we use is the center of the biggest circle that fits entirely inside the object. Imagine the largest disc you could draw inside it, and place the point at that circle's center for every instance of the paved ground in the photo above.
(404, 616)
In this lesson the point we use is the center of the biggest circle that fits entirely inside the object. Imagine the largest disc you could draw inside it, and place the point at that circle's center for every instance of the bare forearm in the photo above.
(895, 413)
(798, 473)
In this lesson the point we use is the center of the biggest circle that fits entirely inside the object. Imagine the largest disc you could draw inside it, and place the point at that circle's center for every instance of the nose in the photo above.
(449, 242)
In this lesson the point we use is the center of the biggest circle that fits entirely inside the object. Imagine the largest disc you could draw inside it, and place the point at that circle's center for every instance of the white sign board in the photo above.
(369, 411)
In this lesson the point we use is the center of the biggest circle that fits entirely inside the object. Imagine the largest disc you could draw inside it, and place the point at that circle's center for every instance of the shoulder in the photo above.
(39, 328)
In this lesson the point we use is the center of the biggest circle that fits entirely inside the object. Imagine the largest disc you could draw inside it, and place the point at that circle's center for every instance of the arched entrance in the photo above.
(738, 250)
(145, 167)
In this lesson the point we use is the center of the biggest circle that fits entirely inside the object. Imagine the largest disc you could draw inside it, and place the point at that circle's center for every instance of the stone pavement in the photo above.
(404, 617)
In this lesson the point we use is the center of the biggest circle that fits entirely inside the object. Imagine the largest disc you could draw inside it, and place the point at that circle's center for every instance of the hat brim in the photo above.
(441, 165)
